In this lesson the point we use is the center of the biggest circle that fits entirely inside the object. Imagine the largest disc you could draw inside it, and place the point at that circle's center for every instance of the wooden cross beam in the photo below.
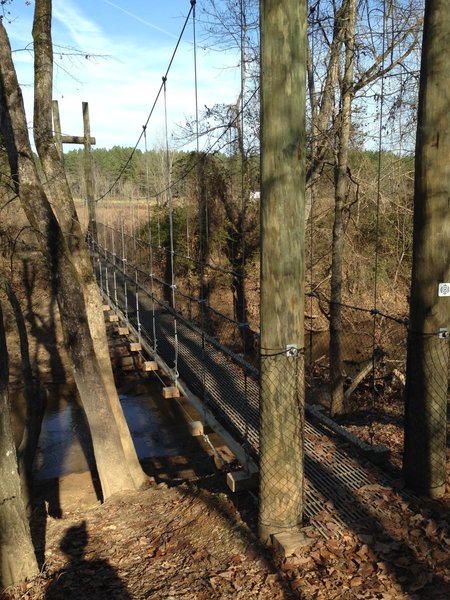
(87, 141)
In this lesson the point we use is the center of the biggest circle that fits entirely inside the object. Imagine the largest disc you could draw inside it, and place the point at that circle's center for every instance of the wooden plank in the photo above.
(196, 428)
(150, 365)
(77, 139)
(135, 347)
(171, 392)
(113, 319)
(238, 481)
(123, 330)
(106, 308)
(208, 417)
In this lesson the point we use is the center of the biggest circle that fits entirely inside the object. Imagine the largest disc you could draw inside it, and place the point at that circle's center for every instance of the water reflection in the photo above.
(65, 446)
(62, 448)
(146, 426)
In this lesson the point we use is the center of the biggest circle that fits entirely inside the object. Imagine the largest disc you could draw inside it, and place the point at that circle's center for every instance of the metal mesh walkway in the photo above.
(229, 388)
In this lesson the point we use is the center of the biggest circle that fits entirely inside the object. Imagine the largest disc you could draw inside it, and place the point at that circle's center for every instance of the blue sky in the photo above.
(130, 43)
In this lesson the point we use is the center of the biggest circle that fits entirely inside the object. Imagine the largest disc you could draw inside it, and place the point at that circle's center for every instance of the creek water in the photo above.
(65, 444)
(157, 429)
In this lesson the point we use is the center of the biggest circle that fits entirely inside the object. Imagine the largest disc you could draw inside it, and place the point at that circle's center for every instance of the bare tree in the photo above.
(17, 558)
(35, 405)
(62, 243)
(358, 51)
(341, 181)
(64, 208)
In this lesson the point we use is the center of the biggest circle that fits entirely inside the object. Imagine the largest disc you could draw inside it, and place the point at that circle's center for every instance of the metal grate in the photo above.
(230, 389)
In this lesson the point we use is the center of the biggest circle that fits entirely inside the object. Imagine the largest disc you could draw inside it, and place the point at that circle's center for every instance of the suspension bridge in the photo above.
(224, 388)
(186, 311)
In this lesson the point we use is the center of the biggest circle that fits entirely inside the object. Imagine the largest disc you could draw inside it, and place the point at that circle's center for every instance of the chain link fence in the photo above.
(427, 396)
(281, 440)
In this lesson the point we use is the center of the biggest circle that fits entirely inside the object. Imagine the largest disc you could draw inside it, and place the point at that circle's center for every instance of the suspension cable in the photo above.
(161, 88)
(124, 265)
(150, 244)
(114, 262)
(171, 238)
(201, 197)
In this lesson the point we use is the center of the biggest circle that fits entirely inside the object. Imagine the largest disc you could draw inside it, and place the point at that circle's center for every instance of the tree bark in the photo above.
(428, 353)
(67, 283)
(17, 558)
(347, 23)
(35, 406)
(64, 208)
(324, 110)
(283, 57)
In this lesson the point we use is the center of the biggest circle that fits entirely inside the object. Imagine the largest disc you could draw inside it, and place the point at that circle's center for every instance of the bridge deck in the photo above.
(230, 389)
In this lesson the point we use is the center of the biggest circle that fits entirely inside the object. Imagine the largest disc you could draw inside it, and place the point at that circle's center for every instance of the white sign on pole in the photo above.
(444, 289)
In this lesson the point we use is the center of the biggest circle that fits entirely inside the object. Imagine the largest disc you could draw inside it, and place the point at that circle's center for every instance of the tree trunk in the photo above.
(323, 110)
(67, 283)
(283, 149)
(64, 208)
(428, 352)
(348, 17)
(35, 406)
(17, 558)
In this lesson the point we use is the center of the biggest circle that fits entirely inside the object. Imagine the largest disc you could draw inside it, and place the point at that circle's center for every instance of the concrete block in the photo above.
(290, 542)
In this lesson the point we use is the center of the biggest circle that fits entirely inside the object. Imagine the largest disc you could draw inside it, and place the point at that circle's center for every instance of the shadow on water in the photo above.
(65, 446)
(81, 578)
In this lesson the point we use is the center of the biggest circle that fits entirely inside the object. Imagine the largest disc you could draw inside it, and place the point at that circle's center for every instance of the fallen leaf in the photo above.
(226, 574)
(356, 582)
(431, 528)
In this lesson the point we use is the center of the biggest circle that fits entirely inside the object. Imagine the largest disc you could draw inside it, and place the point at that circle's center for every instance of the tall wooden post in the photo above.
(428, 342)
(89, 172)
(57, 129)
(87, 141)
(283, 148)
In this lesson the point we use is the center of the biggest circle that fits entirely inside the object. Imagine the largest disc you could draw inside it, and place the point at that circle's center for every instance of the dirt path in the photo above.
(180, 542)
(192, 543)
(186, 538)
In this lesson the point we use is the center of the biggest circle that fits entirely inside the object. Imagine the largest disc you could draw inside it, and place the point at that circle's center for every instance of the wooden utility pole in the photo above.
(283, 148)
(87, 141)
(89, 172)
(428, 342)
